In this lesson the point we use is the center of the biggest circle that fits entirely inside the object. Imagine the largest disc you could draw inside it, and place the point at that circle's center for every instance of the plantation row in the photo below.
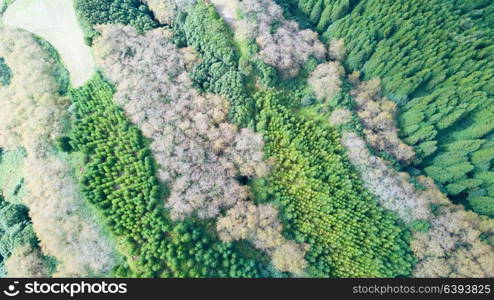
(119, 178)
(324, 202)
(319, 14)
(128, 12)
(436, 61)
(219, 72)
(322, 198)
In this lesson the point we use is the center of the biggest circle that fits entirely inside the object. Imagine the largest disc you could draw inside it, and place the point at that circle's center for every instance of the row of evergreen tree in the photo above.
(119, 179)
(436, 61)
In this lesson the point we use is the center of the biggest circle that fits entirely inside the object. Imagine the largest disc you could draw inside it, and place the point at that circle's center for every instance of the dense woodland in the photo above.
(436, 63)
(300, 138)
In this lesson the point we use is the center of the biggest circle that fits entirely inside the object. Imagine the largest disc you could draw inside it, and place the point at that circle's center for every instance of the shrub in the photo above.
(282, 43)
(120, 181)
(324, 202)
(126, 12)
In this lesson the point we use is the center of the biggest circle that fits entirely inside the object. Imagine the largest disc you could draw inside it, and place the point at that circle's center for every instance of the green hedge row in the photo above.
(324, 201)
(436, 60)
(119, 179)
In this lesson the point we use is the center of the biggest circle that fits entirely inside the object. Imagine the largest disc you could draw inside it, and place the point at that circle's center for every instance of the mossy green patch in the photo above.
(11, 179)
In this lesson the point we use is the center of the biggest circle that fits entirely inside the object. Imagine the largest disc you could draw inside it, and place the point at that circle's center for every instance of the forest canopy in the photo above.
(248, 139)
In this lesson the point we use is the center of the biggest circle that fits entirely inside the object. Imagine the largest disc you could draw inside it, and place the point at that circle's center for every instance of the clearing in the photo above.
(227, 9)
(55, 21)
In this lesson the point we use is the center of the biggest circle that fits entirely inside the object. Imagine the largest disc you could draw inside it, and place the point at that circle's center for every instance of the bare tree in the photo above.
(199, 153)
(377, 115)
(261, 226)
(26, 261)
(336, 50)
(283, 45)
(457, 243)
(325, 80)
(32, 116)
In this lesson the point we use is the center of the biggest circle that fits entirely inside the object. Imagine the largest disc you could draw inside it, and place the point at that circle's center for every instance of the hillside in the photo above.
(249, 139)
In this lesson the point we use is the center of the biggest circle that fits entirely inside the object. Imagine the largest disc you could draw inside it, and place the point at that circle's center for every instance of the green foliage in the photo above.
(11, 177)
(119, 179)
(127, 12)
(319, 14)
(482, 204)
(219, 71)
(15, 230)
(4, 73)
(296, 91)
(436, 61)
(324, 201)
(420, 226)
(12, 214)
(63, 144)
(16, 235)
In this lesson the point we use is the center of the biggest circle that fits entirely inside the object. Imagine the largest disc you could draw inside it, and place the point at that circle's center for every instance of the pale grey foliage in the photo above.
(62, 222)
(26, 261)
(164, 10)
(336, 50)
(199, 153)
(340, 116)
(377, 115)
(30, 104)
(260, 225)
(325, 80)
(32, 116)
(453, 246)
(283, 45)
(392, 188)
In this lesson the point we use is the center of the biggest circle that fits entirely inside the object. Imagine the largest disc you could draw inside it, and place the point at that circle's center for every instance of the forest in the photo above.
(247, 138)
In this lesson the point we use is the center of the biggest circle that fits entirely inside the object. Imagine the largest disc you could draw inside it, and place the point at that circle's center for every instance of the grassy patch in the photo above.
(11, 179)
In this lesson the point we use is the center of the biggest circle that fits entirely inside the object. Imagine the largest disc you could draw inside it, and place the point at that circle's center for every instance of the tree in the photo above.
(340, 116)
(377, 115)
(482, 204)
(219, 72)
(261, 226)
(289, 257)
(119, 180)
(392, 188)
(199, 153)
(336, 50)
(26, 261)
(452, 244)
(325, 80)
(127, 12)
(438, 74)
(33, 115)
(11, 214)
(324, 201)
(163, 10)
(282, 44)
